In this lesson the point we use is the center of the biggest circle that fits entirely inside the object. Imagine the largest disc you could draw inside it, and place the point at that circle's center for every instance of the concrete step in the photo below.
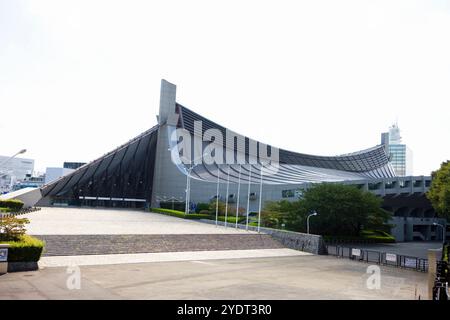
(70, 245)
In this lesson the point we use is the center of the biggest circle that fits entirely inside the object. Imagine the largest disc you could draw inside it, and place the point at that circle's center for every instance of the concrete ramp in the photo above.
(29, 196)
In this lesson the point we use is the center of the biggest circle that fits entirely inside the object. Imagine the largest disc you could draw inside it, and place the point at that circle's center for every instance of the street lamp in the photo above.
(307, 221)
(443, 230)
(12, 157)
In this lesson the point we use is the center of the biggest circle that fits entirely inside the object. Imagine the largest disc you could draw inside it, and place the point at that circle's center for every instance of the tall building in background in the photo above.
(399, 153)
(14, 170)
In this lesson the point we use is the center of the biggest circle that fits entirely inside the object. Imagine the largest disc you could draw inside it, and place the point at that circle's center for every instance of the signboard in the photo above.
(391, 257)
(3, 255)
(356, 252)
(410, 262)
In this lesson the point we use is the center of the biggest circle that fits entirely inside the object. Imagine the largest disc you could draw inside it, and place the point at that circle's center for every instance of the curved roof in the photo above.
(372, 162)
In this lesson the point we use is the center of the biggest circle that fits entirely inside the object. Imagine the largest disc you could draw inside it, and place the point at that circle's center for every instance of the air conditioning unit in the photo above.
(253, 196)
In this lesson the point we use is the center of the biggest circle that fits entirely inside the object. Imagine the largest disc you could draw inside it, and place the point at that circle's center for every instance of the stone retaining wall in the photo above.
(295, 240)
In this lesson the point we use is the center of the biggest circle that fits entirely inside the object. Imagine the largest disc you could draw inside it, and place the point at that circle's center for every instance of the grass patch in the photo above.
(26, 249)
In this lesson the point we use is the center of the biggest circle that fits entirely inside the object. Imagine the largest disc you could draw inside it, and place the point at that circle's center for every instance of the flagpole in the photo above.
(238, 192)
(217, 194)
(260, 197)
(226, 203)
(248, 195)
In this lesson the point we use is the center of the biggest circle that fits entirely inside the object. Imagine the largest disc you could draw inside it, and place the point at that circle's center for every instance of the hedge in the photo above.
(367, 236)
(230, 219)
(14, 205)
(179, 214)
(27, 249)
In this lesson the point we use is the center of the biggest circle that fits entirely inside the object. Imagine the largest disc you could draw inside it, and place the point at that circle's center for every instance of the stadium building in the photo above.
(186, 156)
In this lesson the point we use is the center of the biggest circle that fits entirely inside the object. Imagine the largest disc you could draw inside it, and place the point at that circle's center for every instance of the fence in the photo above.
(381, 258)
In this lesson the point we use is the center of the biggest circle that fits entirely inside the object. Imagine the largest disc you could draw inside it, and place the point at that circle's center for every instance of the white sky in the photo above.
(78, 78)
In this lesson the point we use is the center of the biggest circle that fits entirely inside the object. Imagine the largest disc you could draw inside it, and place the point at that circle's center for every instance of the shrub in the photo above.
(12, 228)
(179, 214)
(14, 205)
(207, 212)
(176, 205)
(25, 249)
(5, 210)
(202, 207)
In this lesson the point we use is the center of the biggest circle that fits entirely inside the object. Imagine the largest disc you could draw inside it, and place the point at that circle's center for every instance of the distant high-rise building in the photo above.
(400, 154)
(13, 170)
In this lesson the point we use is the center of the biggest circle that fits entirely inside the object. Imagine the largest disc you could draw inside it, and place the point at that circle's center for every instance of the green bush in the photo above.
(14, 205)
(175, 205)
(230, 219)
(179, 214)
(12, 228)
(5, 210)
(367, 236)
(26, 249)
(202, 207)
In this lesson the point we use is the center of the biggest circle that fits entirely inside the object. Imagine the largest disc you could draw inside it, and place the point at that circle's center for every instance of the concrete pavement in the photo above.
(294, 277)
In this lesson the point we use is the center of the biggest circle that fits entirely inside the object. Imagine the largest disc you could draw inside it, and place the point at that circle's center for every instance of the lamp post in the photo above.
(307, 221)
(443, 230)
(13, 156)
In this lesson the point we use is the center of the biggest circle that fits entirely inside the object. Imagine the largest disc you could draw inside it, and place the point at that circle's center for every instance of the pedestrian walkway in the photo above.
(108, 259)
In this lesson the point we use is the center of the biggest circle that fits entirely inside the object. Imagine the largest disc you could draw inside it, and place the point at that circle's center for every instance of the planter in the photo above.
(22, 266)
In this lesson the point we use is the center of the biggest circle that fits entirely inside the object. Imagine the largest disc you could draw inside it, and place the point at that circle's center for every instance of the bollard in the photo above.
(4, 258)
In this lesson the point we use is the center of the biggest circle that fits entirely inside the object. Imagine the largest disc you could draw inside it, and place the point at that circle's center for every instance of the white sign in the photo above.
(412, 263)
(391, 257)
(3, 255)
(356, 252)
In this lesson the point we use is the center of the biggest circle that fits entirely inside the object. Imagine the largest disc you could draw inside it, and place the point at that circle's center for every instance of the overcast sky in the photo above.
(78, 78)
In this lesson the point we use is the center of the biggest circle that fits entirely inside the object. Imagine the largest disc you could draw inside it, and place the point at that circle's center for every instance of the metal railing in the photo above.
(378, 257)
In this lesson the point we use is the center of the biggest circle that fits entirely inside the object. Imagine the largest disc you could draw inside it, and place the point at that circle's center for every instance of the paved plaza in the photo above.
(292, 277)
(127, 254)
(84, 221)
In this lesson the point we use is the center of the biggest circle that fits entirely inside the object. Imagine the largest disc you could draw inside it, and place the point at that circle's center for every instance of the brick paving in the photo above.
(70, 245)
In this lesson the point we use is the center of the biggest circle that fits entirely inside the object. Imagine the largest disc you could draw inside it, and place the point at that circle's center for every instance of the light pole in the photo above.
(443, 230)
(13, 156)
(307, 221)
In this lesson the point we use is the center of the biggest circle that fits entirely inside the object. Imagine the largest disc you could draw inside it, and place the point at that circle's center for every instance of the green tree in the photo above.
(343, 210)
(439, 193)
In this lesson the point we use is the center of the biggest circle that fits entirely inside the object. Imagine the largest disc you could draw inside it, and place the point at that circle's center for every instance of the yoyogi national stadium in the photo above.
(152, 168)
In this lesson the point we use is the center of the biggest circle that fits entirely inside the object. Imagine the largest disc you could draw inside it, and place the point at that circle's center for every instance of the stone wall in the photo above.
(294, 240)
